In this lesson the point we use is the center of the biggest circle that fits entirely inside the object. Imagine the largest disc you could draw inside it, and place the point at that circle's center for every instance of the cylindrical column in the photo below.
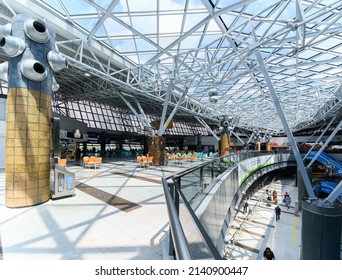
(268, 147)
(33, 58)
(321, 231)
(156, 149)
(27, 147)
(258, 146)
(225, 144)
(302, 192)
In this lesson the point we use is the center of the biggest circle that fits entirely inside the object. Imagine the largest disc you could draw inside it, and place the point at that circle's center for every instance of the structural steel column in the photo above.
(287, 129)
(302, 193)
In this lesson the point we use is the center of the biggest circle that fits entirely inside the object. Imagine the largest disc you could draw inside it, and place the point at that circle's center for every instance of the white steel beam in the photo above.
(166, 104)
(282, 117)
(202, 122)
(337, 128)
(334, 194)
(319, 138)
(163, 126)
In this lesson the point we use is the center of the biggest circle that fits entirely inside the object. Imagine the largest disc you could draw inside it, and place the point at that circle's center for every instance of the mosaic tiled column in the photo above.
(258, 146)
(224, 137)
(225, 144)
(268, 147)
(33, 58)
(27, 147)
(156, 147)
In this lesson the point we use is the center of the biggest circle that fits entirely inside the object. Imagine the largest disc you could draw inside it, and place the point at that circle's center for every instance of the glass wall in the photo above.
(103, 116)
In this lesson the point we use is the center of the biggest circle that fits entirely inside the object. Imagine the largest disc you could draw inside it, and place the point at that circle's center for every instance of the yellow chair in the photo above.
(62, 162)
(98, 161)
(149, 161)
(144, 161)
(92, 161)
(85, 161)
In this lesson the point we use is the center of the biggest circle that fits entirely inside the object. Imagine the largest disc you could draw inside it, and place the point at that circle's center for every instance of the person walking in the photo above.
(288, 202)
(245, 206)
(277, 212)
(275, 197)
(268, 254)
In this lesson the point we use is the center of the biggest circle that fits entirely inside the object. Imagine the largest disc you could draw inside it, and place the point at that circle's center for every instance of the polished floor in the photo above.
(119, 212)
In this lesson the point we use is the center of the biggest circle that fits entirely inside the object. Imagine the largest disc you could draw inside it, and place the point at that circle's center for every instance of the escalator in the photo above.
(326, 159)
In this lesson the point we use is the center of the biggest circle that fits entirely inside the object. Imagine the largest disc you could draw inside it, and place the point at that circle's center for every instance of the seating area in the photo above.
(144, 161)
(179, 158)
(92, 162)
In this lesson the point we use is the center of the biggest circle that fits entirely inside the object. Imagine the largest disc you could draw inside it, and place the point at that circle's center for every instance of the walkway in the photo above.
(119, 212)
(254, 231)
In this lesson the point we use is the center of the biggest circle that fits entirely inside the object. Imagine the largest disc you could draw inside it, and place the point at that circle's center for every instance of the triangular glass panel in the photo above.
(79, 7)
(141, 6)
(55, 5)
(115, 29)
(145, 24)
(103, 3)
(87, 24)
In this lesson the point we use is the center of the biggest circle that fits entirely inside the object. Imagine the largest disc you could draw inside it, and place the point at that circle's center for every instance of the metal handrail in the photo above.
(180, 243)
(231, 240)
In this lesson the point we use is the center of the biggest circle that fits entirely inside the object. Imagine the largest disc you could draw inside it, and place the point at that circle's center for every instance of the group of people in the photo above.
(268, 254)
(274, 196)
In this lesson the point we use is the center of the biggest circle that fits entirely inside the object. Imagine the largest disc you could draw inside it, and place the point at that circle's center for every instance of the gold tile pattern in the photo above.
(28, 137)
(225, 144)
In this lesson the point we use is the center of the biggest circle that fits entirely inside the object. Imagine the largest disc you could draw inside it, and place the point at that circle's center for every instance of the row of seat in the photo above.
(92, 161)
(180, 158)
(144, 161)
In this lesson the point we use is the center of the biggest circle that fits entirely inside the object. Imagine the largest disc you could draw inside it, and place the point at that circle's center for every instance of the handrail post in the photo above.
(212, 170)
(201, 180)
(172, 251)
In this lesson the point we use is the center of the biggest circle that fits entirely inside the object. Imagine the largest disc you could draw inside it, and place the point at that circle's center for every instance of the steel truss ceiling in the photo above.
(205, 51)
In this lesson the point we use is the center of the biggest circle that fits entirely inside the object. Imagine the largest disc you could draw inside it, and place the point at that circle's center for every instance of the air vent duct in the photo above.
(33, 70)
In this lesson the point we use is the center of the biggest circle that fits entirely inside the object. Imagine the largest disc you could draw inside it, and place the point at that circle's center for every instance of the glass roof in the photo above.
(203, 45)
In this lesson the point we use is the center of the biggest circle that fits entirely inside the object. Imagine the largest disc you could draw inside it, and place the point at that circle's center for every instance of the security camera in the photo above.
(213, 92)
(213, 99)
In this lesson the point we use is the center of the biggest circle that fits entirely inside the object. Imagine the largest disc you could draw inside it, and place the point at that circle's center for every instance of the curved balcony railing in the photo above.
(184, 192)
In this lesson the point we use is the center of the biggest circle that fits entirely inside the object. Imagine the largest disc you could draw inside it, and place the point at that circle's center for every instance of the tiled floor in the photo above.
(118, 212)
(127, 219)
